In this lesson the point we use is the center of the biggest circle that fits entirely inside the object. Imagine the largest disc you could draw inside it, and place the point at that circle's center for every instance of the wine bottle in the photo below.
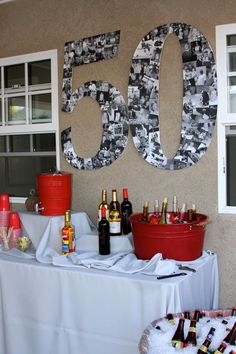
(191, 339)
(126, 211)
(187, 314)
(182, 213)
(231, 336)
(170, 318)
(192, 214)
(68, 235)
(104, 234)
(103, 204)
(154, 218)
(178, 338)
(204, 347)
(163, 218)
(145, 211)
(197, 315)
(221, 348)
(114, 215)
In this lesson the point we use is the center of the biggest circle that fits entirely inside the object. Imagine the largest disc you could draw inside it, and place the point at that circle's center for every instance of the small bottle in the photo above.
(204, 347)
(104, 234)
(114, 215)
(145, 211)
(68, 235)
(163, 218)
(178, 338)
(221, 348)
(231, 336)
(126, 211)
(103, 204)
(191, 339)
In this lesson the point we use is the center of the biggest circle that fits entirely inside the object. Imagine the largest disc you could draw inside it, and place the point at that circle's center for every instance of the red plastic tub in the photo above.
(182, 242)
(54, 192)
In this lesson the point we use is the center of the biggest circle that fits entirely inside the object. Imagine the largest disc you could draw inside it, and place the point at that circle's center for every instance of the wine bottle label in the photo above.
(115, 227)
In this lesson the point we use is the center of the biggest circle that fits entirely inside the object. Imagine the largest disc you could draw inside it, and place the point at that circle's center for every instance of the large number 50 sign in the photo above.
(142, 111)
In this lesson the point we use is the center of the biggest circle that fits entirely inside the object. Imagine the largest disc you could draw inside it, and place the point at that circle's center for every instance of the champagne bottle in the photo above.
(145, 211)
(197, 315)
(221, 348)
(163, 218)
(191, 339)
(174, 215)
(114, 215)
(104, 234)
(178, 338)
(126, 211)
(68, 235)
(231, 336)
(103, 204)
(192, 214)
(182, 214)
(154, 219)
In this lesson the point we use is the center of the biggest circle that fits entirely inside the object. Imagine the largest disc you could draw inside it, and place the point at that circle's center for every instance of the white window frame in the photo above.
(27, 128)
(224, 117)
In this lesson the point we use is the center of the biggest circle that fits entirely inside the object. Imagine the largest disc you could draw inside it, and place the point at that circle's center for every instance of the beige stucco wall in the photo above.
(31, 25)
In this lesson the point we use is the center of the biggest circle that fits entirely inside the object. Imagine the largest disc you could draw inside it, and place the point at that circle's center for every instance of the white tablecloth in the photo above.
(52, 310)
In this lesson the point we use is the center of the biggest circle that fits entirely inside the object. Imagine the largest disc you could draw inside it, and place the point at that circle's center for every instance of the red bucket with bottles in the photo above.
(179, 241)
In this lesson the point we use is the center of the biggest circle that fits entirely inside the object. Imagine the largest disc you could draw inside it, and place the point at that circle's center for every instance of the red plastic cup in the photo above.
(4, 202)
(14, 220)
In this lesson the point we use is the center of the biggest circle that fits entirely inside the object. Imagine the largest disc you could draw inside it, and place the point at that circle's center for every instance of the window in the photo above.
(29, 136)
(226, 124)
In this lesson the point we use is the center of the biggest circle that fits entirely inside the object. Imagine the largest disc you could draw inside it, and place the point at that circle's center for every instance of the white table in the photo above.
(50, 310)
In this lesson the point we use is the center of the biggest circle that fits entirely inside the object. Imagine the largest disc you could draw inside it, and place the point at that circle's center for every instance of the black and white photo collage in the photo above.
(112, 105)
(199, 96)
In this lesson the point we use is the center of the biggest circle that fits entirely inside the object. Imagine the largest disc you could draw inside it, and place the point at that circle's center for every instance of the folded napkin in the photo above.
(123, 262)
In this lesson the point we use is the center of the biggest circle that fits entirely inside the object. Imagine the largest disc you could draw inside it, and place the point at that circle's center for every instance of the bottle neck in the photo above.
(114, 195)
(104, 196)
(67, 218)
(103, 213)
(125, 194)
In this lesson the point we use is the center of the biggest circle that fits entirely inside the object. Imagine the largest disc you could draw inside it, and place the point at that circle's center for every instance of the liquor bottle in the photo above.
(145, 211)
(204, 347)
(104, 234)
(163, 218)
(221, 348)
(114, 215)
(178, 338)
(126, 211)
(191, 339)
(103, 204)
(192, 214)
(231, 336)
(154, 219)
(68, 235)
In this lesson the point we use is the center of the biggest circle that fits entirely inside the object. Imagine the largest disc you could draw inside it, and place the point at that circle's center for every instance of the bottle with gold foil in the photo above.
(163, 218)
(178, 338)
(221, 348)
(145, 211)
(114, 215)
(103, 204)
(68, 235)
(191, 339)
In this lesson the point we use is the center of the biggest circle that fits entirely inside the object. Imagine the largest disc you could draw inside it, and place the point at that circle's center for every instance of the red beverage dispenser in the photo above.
(54, 193)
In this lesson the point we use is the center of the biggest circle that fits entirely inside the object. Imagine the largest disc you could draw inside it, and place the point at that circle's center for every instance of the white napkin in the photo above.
(122, 262)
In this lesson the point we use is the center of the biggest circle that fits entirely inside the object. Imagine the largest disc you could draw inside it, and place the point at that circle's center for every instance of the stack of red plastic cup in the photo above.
(4, 210)
(14, 224)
